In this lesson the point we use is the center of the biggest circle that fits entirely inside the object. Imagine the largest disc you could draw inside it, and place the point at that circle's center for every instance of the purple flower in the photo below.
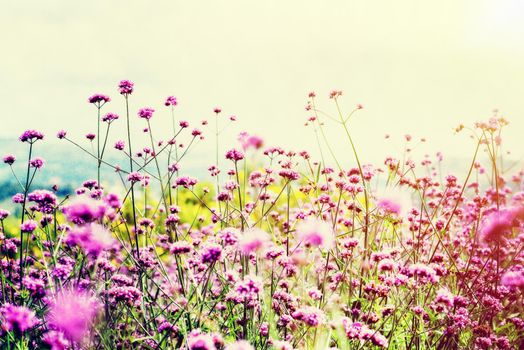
(28, 226)
(316, 233)
(9, 159)
(119, 145)
(125, 87)
(146, 113)
(37, 163)
(289, 174)
(84, 210)
(513, 279)
(17, 318)
(110, 117)
(18, 198)
(56, 340)
(200, 342)
(171, 101)
(4, 214)
(180, 247)
(211, 253)
(61, 134)
(90, 136)
(73, 312)
(130, 295)
(234, 155)
(135, 176)
(31, 136)
(93, 239)
(252, 241)
(99, 99)
(46, 200)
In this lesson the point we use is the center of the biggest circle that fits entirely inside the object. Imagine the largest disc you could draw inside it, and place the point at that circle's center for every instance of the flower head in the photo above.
(28, 226)
(252, 240)
(31, 136)
(99, 99)
(171, 101)
(17, 318)
(37, 163)
(125, 87)
(316, 233)
(73, 313)
(146, 113)
(84, 210)
(93, 238)
(110, 117)
(9, 159)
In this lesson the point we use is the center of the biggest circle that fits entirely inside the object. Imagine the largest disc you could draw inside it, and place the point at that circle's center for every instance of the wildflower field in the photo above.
(272, 250)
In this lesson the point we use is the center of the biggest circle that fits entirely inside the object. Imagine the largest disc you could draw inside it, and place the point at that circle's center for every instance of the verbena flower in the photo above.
(28, 226)
(17, 318)
(125, 87)
(316, 233)
(110, 117)
(146, 113)
(84, 210)
(171, 101)
(93, 238)
(73, 313)
(99, 99)
(9, 159)
(31, 136)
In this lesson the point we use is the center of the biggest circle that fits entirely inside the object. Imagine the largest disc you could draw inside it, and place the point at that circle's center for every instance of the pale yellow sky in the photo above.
(418, 67)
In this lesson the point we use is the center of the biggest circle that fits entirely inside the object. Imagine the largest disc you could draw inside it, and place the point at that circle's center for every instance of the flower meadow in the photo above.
(287, 252)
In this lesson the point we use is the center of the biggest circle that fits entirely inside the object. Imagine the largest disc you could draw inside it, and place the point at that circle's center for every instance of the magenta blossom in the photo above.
(93, 238)
(110, 117)
(31, 136)
(28, 226)
(171, 101)
(99, 99)
(316, 233)
(125, 87)
(73, 313)
(17, 318)
(253, 240)
(9, 159)
(146, 113)
(84, 210)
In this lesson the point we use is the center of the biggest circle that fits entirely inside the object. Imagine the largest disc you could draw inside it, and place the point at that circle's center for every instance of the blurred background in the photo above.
(418, 68)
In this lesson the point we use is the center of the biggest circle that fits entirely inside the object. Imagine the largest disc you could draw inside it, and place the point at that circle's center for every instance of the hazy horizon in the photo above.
(417, 68)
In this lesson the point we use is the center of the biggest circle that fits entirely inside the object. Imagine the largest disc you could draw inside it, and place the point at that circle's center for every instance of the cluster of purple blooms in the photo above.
(271, 256)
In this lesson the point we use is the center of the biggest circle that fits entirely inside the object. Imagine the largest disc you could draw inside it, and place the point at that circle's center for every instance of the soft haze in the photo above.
(417, 67)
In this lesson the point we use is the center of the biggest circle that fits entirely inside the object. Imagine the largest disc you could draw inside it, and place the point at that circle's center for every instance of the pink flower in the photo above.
(9, 159)
(146, 113)
(253, 240)
(17, 318)
(171, 101)
(316, 233)
(28, 226)
(125, 87)
(499, 224)
(99, 99)
(93, 238)
(73, 313)
(84, 210)
(31, 136)
(513, 279)
(200, 342)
